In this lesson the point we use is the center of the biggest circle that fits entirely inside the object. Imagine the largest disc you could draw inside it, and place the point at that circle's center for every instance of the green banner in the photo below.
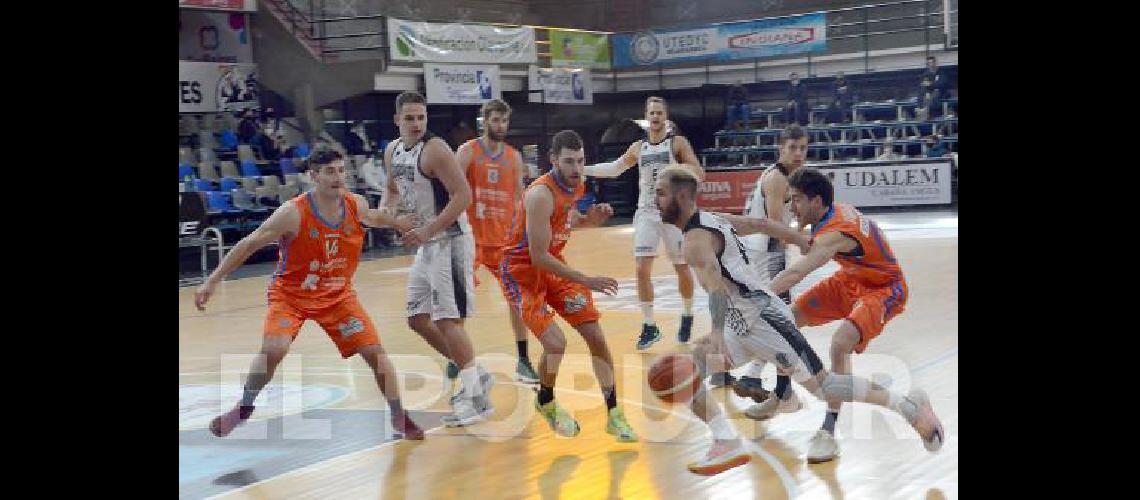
(583, 50)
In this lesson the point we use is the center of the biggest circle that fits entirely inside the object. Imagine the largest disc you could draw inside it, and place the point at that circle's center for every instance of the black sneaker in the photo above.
(686, 329)
(721, 379)
(649, 335)
(750, 387)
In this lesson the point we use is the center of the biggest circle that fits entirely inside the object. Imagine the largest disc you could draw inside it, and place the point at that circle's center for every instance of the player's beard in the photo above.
(497, 137)
(670, 213)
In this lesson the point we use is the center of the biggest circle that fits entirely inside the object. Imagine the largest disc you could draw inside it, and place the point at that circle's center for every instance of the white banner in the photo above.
(213, 37)
(561, 85)
(461, 83)
(889, 185)
(439, 42)
(205, 87)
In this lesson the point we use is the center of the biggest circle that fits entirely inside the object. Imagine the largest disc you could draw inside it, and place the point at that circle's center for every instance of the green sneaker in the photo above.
(558, 419)
(452, 370)
(617, 426)
(525, 373)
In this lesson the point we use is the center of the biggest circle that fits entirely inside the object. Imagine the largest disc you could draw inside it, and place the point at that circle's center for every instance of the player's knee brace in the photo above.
(837, 387)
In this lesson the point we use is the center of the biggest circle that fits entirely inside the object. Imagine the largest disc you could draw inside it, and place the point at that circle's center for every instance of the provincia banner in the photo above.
(462, 43)
(462, 83)
(207, 87)
(561, 85)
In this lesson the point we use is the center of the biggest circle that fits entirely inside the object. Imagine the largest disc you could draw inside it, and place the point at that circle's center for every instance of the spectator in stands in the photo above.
(796, 110)
(247, 128)
(889, 150)
(935, 148)
(264, 146)
(932, 89)
(839, 111)
(737, 106)
(270, 122)
(356, 142)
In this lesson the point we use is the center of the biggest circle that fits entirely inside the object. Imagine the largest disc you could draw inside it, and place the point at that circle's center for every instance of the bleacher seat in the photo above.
(245, 152)
(270, 180)
(203, 185)
(249, 169)
(249, 184)
(220, 202)
(302, 150)
(228, 183)
(229, 169)
(288, 166)
(186, 172)
(287, 192)
(266, 195)
(228, 140)
(207, 170)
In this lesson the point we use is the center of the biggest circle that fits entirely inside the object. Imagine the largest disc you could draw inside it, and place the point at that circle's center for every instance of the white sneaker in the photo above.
(773, 406)
(467, 410)
(823, 448)
(933, 441)
(486, 381)
(721, 457)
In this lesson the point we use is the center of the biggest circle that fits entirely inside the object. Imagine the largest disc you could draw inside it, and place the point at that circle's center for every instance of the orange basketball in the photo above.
(673, 378)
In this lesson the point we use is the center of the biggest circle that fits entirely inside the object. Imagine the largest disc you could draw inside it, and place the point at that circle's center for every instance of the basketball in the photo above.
(673, 378)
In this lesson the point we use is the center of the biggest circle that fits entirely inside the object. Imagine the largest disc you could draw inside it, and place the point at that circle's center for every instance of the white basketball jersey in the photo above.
(757, 207)
(734, 262)
(651, 159)
(420, 194)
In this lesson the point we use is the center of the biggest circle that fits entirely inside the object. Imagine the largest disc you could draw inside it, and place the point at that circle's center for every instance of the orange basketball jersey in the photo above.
(494, 184)
(565, 201)
(876, 266)
(315, 268)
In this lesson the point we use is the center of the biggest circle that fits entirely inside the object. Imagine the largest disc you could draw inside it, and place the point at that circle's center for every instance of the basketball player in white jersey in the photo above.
(659, 148)
(770, 200)
(424, 179)
(750, 322)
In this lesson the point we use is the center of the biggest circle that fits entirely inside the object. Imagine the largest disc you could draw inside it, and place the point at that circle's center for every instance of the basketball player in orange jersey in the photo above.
(319, 236)
(660, 147)
(537, 280)
(750, 322)
(496, 172)
(868, 290)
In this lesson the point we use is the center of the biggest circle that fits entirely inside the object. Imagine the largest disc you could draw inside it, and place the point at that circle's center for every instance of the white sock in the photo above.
(754, 369)
(686, 307)
(721, 429)
(647, 313)
(469, 379)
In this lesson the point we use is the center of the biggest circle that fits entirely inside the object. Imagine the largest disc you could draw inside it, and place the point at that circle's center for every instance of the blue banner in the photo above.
(674, 46)
(725, 42)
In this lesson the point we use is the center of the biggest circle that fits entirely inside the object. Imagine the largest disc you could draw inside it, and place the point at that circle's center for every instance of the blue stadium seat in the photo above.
(220, 202)
(229, 183)
(203, 184)
(249, 169)
(287, 166)
(302, 150)
(228, 139)
(186, 172)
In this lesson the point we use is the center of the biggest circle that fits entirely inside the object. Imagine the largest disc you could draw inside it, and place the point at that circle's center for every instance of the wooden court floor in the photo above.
(516, 455)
